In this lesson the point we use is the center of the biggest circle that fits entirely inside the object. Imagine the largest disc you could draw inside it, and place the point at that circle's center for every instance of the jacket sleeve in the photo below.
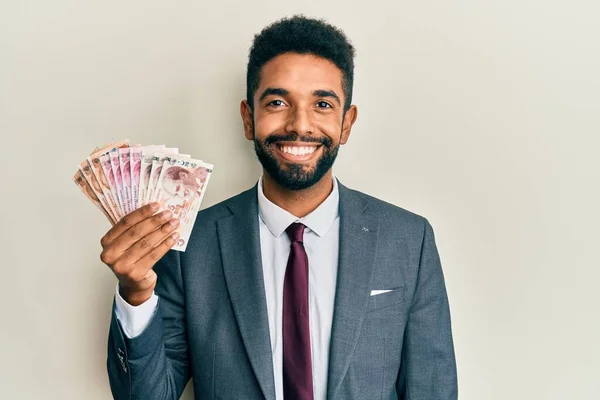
(155, 364)
(428, 367)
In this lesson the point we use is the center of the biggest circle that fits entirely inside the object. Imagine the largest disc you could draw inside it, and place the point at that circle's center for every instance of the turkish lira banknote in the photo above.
(86, 189)
(180, 188)
(119, 178)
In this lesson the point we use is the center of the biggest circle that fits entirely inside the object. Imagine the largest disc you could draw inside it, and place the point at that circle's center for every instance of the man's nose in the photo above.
(300, 122)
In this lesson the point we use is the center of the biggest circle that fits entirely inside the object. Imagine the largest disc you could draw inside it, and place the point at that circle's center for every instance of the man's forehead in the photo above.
(301, 72)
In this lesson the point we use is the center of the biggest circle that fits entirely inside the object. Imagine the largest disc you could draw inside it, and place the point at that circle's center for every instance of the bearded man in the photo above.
(298, 288)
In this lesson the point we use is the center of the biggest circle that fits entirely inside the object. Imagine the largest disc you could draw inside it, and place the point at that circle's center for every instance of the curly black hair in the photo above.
(301, 35)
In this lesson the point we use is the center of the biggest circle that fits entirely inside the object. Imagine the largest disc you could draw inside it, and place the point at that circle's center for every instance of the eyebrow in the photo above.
(327, 93)
(273, 92)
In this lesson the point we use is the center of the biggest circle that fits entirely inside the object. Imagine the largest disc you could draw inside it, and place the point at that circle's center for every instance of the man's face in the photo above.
(298, 121)
(177, 188)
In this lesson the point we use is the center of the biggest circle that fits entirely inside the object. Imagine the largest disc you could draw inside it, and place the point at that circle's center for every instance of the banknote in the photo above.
(86, 189)
(125, 166)
(103, 178)
(110, 177)
(116, 168)
(135, 162)
(145, 169)
(86, 168)
(157, 162)
(106, 147)
(98, 171)
(119, 178)
(180, 188)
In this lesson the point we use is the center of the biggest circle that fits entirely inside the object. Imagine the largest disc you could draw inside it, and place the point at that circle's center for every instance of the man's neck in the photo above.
(299, 203)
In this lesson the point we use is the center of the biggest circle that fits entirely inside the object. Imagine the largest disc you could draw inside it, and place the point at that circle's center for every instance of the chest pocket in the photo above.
(396, 297)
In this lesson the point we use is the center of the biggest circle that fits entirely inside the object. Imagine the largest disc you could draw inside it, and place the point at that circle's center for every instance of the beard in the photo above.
(295, 176)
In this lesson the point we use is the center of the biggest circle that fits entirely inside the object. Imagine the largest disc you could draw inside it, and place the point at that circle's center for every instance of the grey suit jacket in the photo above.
(211, 320)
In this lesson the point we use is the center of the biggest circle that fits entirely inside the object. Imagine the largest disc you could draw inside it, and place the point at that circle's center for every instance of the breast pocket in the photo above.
(396, 297)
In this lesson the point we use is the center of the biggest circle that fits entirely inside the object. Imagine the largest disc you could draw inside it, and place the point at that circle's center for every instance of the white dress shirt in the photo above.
(321, 241)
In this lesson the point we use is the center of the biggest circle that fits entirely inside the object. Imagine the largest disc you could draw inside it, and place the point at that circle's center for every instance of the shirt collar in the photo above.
(319, 221)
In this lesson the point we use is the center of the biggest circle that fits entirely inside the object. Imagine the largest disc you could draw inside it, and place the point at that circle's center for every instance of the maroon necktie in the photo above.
(297, 366)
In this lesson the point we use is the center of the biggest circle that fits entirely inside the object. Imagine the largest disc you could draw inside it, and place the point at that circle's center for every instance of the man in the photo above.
(298, 288)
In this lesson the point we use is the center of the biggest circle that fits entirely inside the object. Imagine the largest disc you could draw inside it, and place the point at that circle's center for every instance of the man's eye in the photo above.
(323, 104)
(276, 103)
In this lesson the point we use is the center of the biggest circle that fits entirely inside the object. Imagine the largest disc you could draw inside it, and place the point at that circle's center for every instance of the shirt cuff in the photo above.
(134, 319)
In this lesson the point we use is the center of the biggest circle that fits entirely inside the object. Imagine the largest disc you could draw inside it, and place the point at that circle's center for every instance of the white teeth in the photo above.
(294, 150)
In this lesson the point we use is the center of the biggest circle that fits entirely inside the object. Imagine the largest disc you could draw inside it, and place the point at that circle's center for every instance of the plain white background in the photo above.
(481, 116)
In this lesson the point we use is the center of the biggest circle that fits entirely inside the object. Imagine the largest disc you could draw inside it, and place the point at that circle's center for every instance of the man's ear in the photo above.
(247, 119)
(349, 119)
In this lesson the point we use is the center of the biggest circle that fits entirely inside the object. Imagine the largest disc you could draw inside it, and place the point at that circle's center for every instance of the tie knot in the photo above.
(295, 232)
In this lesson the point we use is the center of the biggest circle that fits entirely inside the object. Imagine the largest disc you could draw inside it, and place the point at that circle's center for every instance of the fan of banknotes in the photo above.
(119, 178)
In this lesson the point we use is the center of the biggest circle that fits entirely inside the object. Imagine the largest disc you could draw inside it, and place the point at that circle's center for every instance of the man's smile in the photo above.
(298, 151)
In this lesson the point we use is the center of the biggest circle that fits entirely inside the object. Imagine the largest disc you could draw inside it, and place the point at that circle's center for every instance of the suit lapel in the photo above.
(358, 246)
(239, 239)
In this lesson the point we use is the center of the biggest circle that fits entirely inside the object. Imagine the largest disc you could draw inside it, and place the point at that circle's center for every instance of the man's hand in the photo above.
(134, 245)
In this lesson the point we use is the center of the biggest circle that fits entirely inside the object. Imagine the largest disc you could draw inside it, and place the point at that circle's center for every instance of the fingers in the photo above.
(159, 251)
(127, 222)
(147, 244)
(140, 230)
(140, 268)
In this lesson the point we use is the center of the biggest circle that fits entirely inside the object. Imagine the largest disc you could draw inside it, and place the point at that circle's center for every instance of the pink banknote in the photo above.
(119, 179)
(180, 188)
(86, 189)
(125, 166)
(135, 162)
(115, 164)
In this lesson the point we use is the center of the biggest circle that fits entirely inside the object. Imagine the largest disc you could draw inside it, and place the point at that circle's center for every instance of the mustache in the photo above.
(294, 137)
